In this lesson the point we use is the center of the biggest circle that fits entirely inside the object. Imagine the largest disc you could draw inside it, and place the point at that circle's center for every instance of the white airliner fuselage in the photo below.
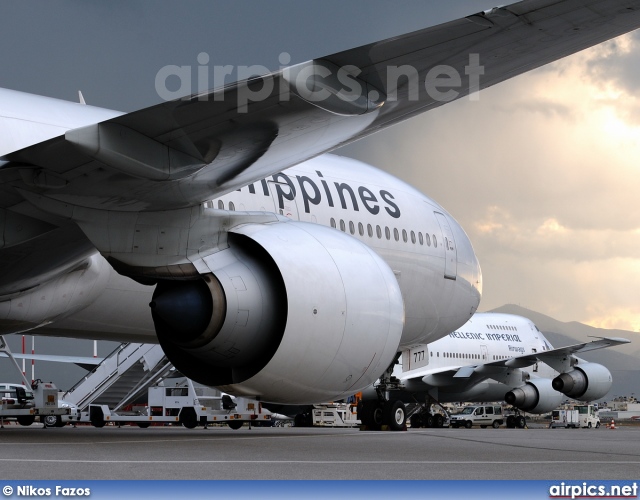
(430, 254)
(486, 338)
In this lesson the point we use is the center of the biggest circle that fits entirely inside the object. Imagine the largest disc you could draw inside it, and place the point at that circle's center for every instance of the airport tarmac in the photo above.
(317, 453)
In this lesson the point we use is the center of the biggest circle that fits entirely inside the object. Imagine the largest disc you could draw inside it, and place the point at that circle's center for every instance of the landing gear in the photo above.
(384, 412)
(303, 419)
(438, 421)
(516, 421)
(394, 415)
(370, 413)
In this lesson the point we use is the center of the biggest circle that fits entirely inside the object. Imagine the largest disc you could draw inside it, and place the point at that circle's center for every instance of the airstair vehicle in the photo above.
(121, 377)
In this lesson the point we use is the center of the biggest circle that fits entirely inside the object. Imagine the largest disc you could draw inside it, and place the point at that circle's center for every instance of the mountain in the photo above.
(623, 361)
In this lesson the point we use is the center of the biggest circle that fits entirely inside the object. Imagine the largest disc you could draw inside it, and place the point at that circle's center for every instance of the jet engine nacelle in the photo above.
(586, 382)
(536, 396)
(291, 312)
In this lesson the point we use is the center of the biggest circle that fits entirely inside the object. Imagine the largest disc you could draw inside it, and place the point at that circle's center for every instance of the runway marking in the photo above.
(325, 462)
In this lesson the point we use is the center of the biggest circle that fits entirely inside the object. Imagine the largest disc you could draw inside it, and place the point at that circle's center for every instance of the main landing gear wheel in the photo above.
(437, 421)
(521, 423)
(417, 421)
(511, 422)
(394, 415)
(370, 414)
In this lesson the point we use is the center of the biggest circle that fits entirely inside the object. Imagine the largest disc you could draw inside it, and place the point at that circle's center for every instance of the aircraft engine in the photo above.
(586, 382)
(291, 312)
(536, 396)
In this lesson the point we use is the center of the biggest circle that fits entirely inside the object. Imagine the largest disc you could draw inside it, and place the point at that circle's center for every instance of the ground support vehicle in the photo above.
(335, 415)
(26, 404)
(565, 418)
(581, 416)
(180, 405)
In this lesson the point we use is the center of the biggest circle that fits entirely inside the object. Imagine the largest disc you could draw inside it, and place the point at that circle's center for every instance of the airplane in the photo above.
(323, 269)
(492, 357)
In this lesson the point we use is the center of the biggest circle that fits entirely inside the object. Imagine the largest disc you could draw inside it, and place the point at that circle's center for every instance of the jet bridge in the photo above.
(121, 377)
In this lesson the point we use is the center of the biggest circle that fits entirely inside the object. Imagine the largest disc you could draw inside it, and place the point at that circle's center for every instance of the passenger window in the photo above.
(387, 232)
(413, 237)
(221, 204)
(435, 242)
(333, 223)
(352, 227)
(379, 232)
(370, 230)
(428, 238)
(360, 229)
(420, 238)
(396, 234)
(232, 207)
(343, 228)
(404, 235)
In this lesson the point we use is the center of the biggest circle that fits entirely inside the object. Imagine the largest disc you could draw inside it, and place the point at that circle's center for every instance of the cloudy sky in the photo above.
(542, 171)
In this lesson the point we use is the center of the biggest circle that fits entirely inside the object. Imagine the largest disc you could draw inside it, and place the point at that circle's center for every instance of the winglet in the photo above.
(81, 97)
(618, 340)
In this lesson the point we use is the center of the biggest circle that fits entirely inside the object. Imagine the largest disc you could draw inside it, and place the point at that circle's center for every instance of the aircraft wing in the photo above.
(495, 369)
(180, 153)
(550, 357)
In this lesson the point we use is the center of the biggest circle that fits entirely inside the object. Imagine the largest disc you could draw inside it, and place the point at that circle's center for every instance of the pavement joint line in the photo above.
(182, 440)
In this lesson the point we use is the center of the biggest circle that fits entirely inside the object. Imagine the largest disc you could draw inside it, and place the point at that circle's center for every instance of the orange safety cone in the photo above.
(613, 424)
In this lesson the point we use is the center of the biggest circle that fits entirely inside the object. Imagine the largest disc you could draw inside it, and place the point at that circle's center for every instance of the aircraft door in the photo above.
(450, 252)
(484, 351)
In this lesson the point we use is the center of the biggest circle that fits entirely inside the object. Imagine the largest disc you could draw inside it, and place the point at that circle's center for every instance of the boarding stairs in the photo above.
(121, 377)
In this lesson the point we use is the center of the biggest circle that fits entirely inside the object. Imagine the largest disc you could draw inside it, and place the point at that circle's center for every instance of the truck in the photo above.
(581, 416)
(26, 403)
(564, 418)
(335, 415)
(480, 415)
(182, 406)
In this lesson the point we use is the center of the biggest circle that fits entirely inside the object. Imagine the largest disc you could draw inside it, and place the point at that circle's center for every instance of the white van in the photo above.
(482, 415)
